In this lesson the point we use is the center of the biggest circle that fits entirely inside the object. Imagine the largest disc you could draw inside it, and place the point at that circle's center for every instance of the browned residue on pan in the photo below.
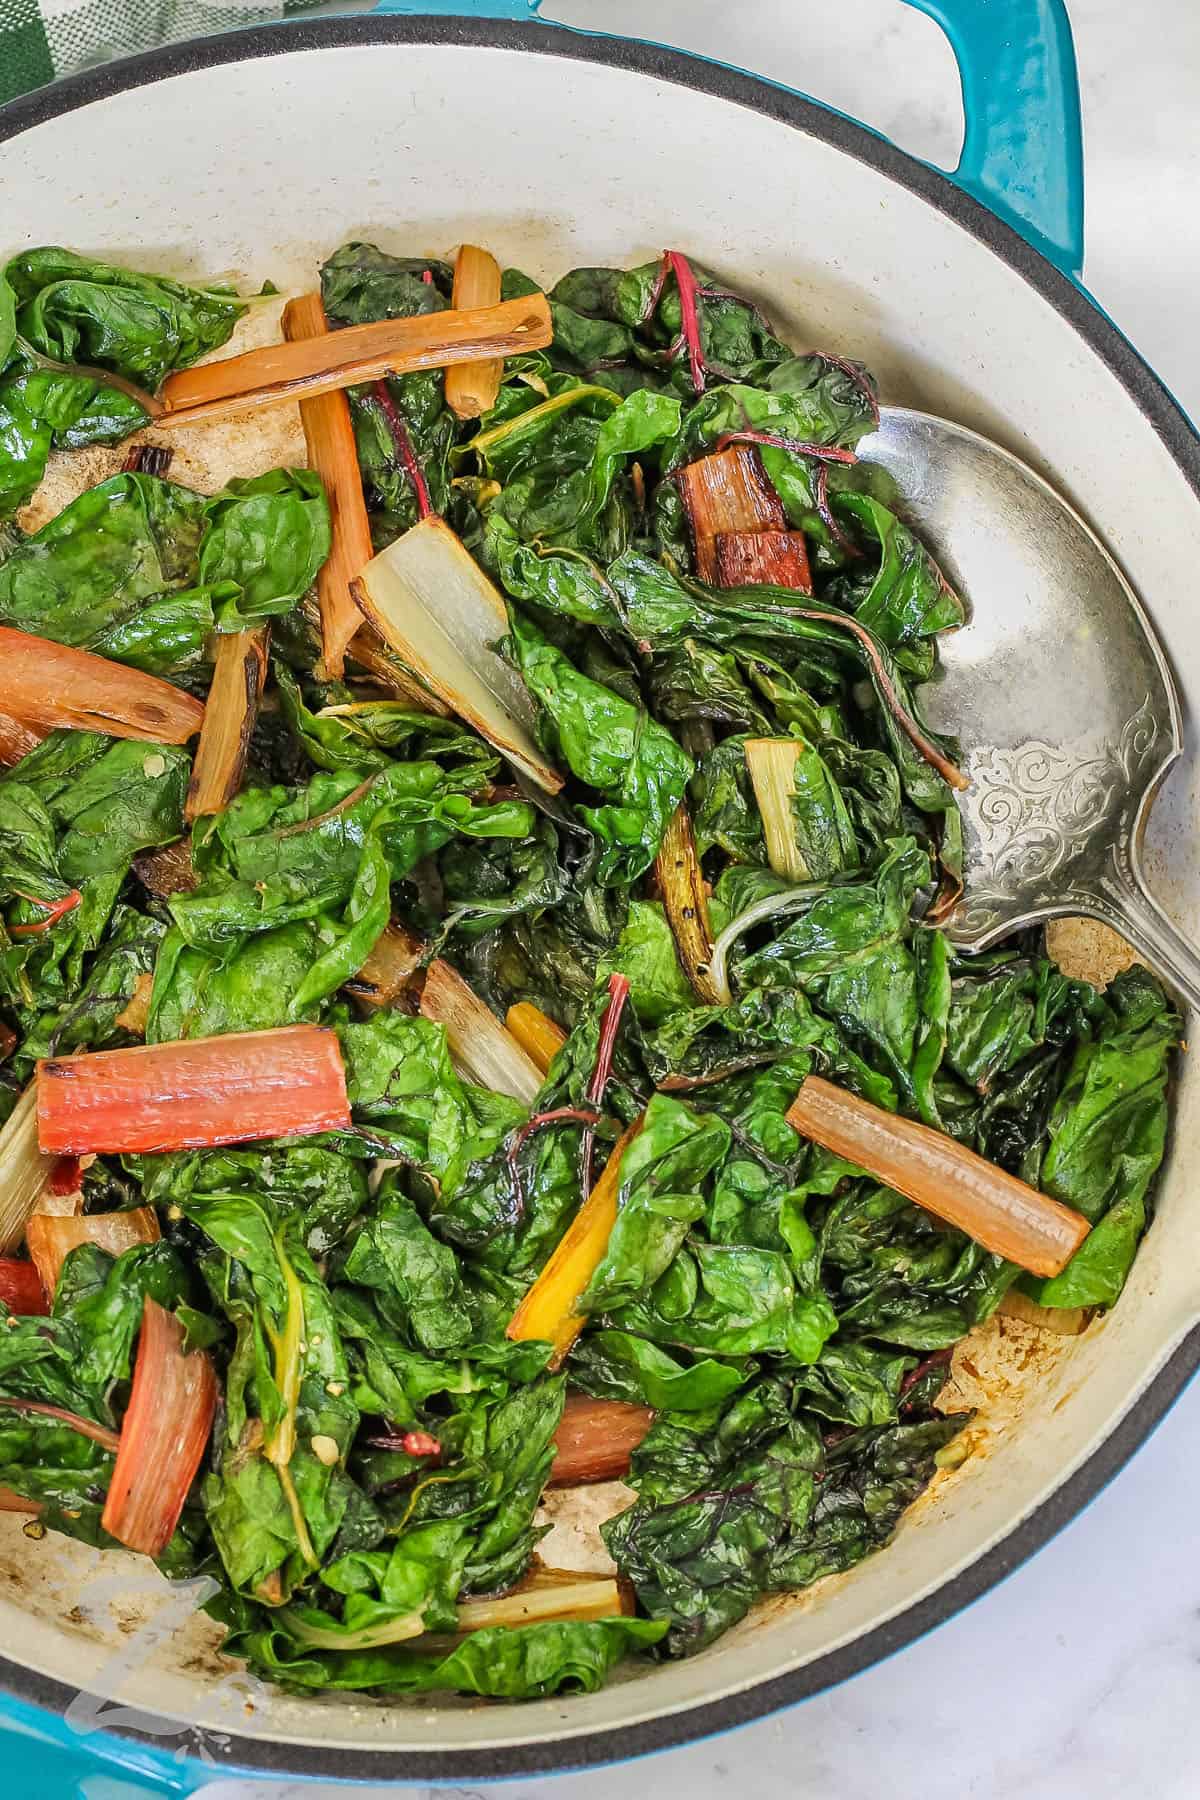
(1087, 950)
(205, 457)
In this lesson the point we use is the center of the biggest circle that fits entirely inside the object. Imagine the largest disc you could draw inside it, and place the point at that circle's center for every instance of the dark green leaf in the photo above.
(662, 1174)
(612, 747)
(266, 538)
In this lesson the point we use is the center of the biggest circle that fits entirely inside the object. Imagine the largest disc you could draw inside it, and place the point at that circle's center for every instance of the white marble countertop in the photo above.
(1078, 1676)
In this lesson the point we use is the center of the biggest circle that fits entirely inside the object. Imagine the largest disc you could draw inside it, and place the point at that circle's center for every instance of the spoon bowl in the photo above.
(1073, 713)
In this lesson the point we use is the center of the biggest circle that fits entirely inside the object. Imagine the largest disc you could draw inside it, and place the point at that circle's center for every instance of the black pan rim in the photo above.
(621, 1742)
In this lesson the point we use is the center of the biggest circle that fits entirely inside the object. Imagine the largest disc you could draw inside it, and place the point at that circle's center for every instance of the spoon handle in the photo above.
(1133, 911)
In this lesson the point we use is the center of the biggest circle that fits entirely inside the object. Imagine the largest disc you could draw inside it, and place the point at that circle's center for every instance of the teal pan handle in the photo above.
(1022, 153)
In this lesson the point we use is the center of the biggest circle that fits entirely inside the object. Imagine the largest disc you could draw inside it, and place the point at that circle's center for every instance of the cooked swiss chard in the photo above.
(614, 991)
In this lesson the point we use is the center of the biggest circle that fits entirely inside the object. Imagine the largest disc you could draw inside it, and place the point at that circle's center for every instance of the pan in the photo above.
(256, 152)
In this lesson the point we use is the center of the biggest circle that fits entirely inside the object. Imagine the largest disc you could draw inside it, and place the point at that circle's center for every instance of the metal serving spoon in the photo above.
(1060, 687)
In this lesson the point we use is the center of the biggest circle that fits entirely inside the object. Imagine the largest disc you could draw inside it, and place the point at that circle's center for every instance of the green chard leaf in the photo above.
(67, 322)
(611, 746)
(76, 309)
(533, 1662)
(1107, 1137)
(662, 1174)
(137, 569)
(73, 814)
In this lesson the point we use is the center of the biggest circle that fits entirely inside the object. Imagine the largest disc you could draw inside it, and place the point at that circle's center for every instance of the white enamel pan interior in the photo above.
(257, 155)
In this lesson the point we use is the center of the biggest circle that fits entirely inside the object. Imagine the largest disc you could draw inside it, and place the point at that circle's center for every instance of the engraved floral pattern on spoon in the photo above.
(1042, 816)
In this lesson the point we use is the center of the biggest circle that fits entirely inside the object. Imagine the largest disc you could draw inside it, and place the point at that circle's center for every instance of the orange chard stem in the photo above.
(16, 740)
(1003, 1214)
(163, 1435)
(389, 969)
(51, 686)
(50, 1237)
(12, 1502)
(329, 434)
(239, 674)
(727, 491)
(358, 353)
(763, 559)
(193, 1094)
(595, 1440)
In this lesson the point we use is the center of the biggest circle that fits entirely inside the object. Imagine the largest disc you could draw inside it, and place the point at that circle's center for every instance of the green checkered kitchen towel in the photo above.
(43, 39)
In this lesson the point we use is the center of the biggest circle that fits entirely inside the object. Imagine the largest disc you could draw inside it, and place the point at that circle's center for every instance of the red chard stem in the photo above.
(823, 453)
(826, 511)
(560, 1115)
(685, 281)
(655, 294)
(54, 910)
(857, 375)
(618, 993)
(404, 448)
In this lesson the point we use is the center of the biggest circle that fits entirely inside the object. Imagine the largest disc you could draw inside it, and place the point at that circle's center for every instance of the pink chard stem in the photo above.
(856, 374)
(826, 512)
(618, 993)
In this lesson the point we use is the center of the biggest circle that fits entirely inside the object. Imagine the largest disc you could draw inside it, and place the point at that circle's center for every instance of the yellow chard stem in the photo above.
(686, 906)
(772, 763)
(288, 1353)
(23, 1169)
(539, 1037)
(471, 388)
(548, 1310)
